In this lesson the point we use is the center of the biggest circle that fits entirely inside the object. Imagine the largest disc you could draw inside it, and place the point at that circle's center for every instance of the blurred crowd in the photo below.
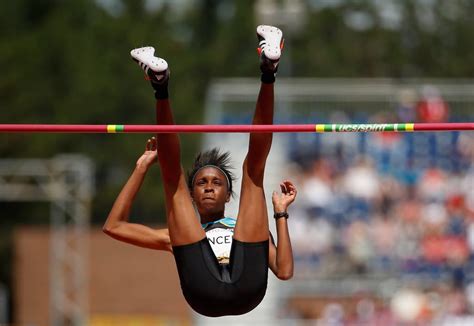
(389, 206)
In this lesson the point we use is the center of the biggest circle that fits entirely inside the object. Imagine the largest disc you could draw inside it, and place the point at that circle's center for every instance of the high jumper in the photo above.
(218, 277)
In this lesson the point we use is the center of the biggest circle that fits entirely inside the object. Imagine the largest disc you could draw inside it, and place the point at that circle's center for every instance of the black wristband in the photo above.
(280, 215)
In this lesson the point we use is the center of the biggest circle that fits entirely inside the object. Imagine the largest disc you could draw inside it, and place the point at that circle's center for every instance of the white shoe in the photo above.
(269, 47)
(156, 69)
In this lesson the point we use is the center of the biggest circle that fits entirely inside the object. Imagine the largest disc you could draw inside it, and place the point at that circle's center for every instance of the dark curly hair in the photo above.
(212, 157)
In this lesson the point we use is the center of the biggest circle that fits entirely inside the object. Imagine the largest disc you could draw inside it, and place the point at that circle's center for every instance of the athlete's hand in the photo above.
(282, 200)
(150, 156)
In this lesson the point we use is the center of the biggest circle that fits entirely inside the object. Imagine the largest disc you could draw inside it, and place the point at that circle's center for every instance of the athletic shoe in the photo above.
(156, 69)
(270, 44)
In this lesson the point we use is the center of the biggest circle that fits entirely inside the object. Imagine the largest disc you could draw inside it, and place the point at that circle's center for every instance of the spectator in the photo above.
(432, 108)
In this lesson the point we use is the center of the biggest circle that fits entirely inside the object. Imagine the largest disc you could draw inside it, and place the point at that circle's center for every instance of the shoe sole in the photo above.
(273, 40)
(145, 57)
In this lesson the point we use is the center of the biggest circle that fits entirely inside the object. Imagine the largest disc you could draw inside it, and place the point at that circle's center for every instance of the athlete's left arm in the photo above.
(281, 255)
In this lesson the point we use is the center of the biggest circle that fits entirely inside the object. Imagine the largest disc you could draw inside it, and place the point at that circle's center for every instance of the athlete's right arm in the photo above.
(117, 225)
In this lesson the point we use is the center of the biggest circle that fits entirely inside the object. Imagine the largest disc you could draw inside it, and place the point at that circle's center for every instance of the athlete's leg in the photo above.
(252, 221)
(183, 223)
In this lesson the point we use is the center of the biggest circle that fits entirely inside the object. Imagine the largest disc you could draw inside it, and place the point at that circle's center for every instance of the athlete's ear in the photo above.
(229, 194)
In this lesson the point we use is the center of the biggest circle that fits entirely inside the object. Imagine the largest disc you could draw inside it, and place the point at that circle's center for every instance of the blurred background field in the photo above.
(383, 227)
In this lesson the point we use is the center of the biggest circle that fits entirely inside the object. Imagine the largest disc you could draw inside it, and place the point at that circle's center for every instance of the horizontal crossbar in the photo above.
(379, 127)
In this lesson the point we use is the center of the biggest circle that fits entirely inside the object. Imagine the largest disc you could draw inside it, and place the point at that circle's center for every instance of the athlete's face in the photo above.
(210, 192)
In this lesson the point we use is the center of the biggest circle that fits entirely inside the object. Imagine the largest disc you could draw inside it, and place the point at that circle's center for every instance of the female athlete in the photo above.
(222, 262)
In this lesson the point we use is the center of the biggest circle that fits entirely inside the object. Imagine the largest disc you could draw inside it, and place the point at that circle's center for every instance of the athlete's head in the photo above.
(210, 181)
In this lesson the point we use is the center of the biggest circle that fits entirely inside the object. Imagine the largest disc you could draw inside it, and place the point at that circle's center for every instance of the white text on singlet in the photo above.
(219, 234)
